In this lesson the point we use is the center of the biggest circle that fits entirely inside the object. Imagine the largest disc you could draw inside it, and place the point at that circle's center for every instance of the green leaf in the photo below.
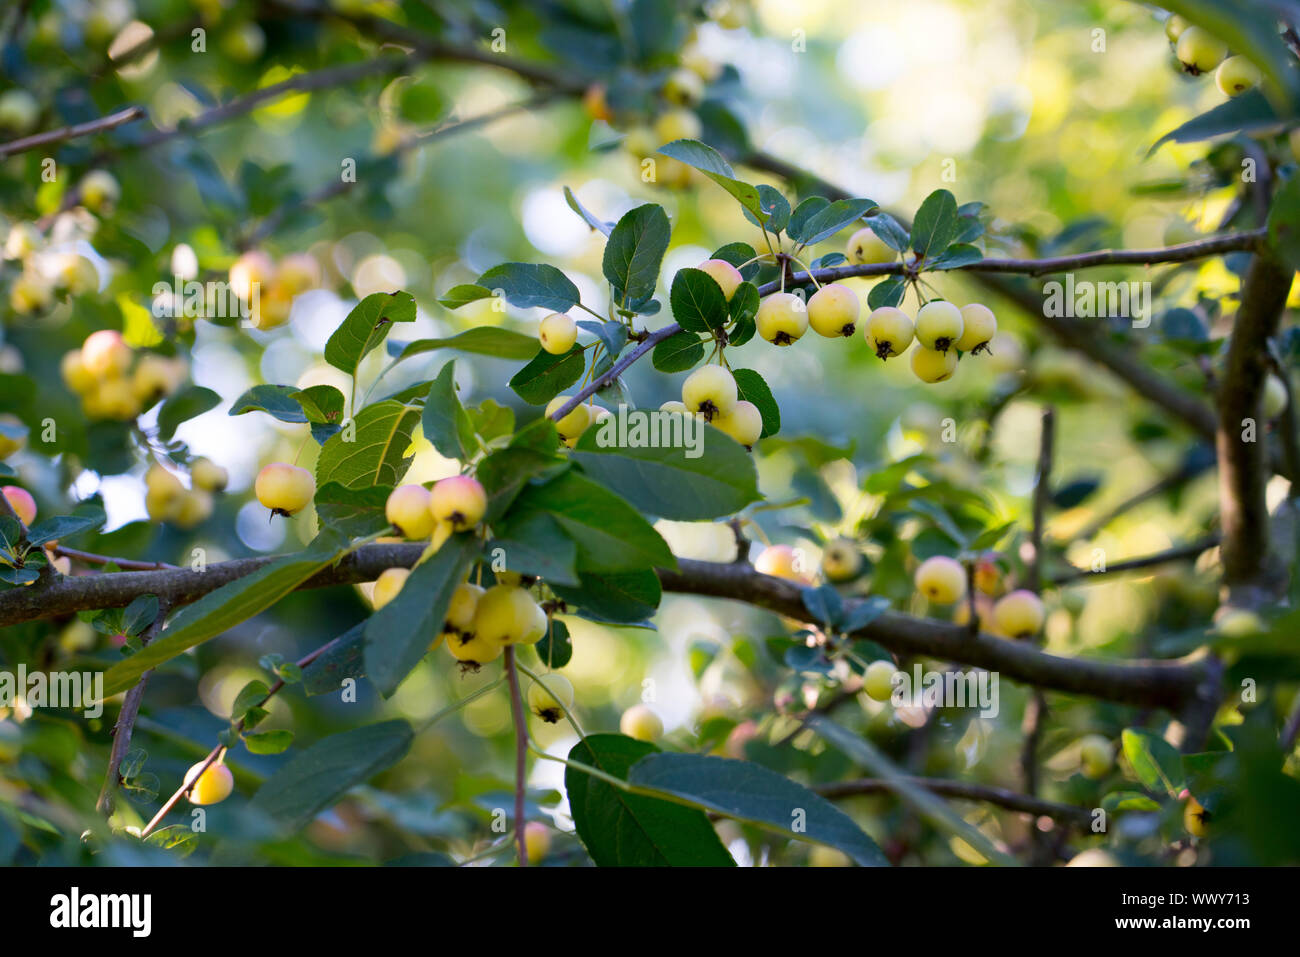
(318, 777)
(886, 293)
(533, 543)
(710, 162)
(1155, 762)
(556, 648)
(345, 658)
(776, 210)
(635, 252)
(376, 454)
(697, 301)
(321, 404)
(277, 400)
(421, 103)
(626, 598)
(140, 614)
(835, 216)
(528, 284)
(958, 255)
(750, 792)
(1249, 113)
(504, 473)
(222, 609)
(463, 295)
(610, 534)
(620, 829)
(366, 326)
(678, 352)
(681, 471)
(548, 375)
(891, 231)
(797, 227)
(250, 696)
(445, 422)
(353, 512)
(186, 404)
(399, 633)
(481, 340)
(752, 388)
(935, 224)
(268, 742)
(83, 519)
(590, 218)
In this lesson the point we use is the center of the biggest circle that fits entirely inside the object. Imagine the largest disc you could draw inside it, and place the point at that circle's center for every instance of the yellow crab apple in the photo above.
(1175, 26)
(252, 271)
(941, 579)
(154, 377)
(508, 615)
(1236, 75)
(105, 354)
(683, 87)
(841, 560)
(283, 488)
(781, 561)
(930, 366)
(472, 650)
(19, 111)
(461, 609)
(1199, 51)
(1273, 402)
(889, 331)
(1019, 614)
(979, 325)
(1096, 756)
(679, 124)
(537, 841)
(408, 509)
(726, 275)
(866, 247)
(710, 391)
(744, 423)
(387, 585)
(570, 426)
(99, 191)
(212, 786)
(76, 274)
(458, 501)
(833, 311)
(939, 325)
(878, 680)
(22, 503)
(75, 374)
(113, 398)
(557, 333)
(193, 508)
(297, 273)
(208, 475)
(782, 318)
(641, 723)
(1196, 818)
(550, 696)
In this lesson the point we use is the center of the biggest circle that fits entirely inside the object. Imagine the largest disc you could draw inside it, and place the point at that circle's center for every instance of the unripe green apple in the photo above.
(557, 332)
(212, 786)
(462, 608)
(683, 88)
(21, 501)
(1199, 51)
(1096, 755)
(641, 723)
(19, 111)
(1273, 402)
(939, 325)
(878, 680)
(105, 354)
(727, 276)
(99, 191)
(978, 328)
(931, 366)
(459, 501)
(889, 331)
(782, 318)
(866, 247)
(508, 615)
(472, 650)
(1175, 26)
(841, 560)
(941, 579)
(1236, 75)
(833, 311)
(1019, 614)
(387, 585)
(710, 391)
(283, 488)
(408, 509)
(744, 423)
(549, 697)
(537, 841)
(680, 124)
(571, 426)
(208, 475)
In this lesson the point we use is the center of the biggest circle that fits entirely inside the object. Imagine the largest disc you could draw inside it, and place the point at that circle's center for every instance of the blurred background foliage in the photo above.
(1009, 102)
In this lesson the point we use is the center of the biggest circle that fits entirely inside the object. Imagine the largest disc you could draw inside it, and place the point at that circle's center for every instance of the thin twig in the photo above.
(1002, 797)
(89, 128)
(1177, 554)
(521, 752)
(90, 558)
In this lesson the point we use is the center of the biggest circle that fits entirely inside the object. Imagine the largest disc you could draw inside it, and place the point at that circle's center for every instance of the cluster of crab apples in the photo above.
(1200, 51)
(113, 382)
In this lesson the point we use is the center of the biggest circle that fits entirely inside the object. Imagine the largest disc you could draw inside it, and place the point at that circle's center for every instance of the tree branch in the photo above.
(1002, 797)
(89, 128)
(1177, 554)
(1193, 467)
(617, 369)
(1156, 683)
